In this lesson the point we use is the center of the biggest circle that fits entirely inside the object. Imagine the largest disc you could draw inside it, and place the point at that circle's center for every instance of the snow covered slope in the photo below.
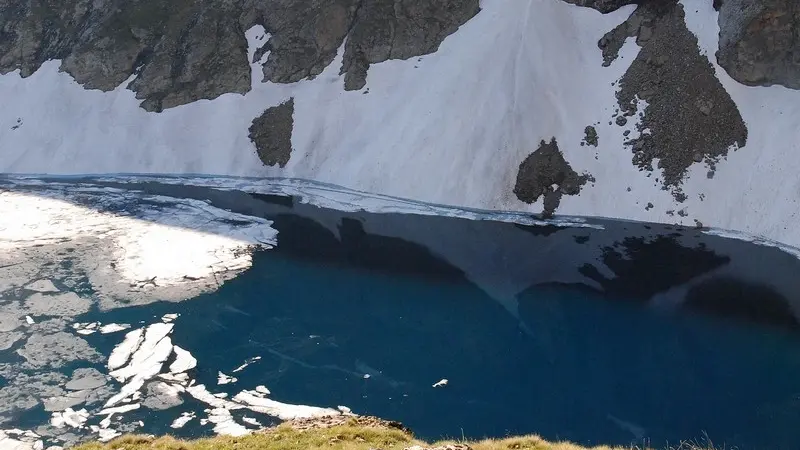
(451, 127)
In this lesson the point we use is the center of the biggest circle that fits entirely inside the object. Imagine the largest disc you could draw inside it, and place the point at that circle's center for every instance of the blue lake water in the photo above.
(663, 334)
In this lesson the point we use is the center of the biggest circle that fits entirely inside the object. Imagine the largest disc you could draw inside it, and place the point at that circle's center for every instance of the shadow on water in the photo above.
(612, 336)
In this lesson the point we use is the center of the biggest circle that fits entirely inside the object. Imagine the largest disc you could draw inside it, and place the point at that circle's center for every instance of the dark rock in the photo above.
(604, 6)
(645, 34)
(544, 169)
(590, 137)
(621, 121)
(758, 41)
(181, 51)
(649, 206)
(399, 29)
(704, 106)
(680, 116)
(271, 133)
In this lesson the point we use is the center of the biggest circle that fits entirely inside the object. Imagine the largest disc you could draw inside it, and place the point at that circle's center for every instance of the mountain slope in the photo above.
(435, 101)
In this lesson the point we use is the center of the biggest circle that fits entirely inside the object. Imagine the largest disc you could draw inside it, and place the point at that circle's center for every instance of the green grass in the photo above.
(348, 436)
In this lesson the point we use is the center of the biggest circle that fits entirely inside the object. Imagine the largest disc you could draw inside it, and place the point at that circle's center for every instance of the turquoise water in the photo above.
(586, 364)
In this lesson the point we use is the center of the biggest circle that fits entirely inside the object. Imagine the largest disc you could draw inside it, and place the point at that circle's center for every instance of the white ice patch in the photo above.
(183, 361)
(119, 409)
(19, 440)
(251, 421)
(184, 418)
(145, 363)
(107, 434)
(69, 418)
(155, 348)
(123, 351)
(283, 411)
(113, 328)
(224, 423)
(225, 379)
(246, 363)
(261, 389)
(173, 251)
(169, 317)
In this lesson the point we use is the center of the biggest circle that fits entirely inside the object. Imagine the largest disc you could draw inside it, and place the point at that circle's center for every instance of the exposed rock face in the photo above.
(604, 6)
(546, 173)
(399, 29)
(182, 51)
(759, 41)
(271, 133)
(690, 116)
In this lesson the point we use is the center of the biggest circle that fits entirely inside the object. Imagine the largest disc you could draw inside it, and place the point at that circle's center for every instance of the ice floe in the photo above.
(183, 419)
(261, 389)
(183, 361)
(113, 328)
(42, 285)
(69, 418)
(169, 317)
(225, 379)
(20, 440)
(224, 423)
(246, 363)
(122, 352)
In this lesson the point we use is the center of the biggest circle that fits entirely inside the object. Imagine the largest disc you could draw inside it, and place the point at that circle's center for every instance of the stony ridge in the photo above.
(184, 51)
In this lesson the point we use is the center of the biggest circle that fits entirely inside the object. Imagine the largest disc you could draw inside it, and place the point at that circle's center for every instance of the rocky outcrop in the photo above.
(182, 51)
(399, 29)
(604, 6)
(545, 173)
(271, 133)
(690, 117)
(759, 41)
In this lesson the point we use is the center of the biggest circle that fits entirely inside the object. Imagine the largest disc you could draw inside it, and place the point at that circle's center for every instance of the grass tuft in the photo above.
(349, 435)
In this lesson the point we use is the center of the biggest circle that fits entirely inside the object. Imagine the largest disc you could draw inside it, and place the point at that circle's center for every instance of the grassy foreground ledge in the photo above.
(340, 433)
